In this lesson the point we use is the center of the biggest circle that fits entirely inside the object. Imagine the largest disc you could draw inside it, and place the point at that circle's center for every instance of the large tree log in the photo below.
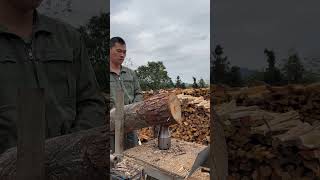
(80, 156)
(160, 109)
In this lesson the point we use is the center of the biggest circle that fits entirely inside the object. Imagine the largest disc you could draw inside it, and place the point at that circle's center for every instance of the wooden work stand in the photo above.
(174, 163)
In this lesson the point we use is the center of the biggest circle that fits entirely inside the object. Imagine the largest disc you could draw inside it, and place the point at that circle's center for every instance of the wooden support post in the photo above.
(31, 134)
(119, 123)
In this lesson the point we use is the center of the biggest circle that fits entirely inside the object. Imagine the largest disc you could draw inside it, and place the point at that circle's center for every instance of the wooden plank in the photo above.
(127, 169)
(158, 174)
(200, 174)
(31, 134)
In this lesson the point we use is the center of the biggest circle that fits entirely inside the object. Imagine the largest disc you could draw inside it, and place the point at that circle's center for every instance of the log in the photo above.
(218, 153)
(160, 109)
(80, 156)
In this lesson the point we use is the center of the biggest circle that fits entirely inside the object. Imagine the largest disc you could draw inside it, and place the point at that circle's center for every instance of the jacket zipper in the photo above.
(32, 59)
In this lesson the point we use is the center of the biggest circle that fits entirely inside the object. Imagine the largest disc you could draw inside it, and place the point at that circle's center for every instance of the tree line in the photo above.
(155, 76)
(292, 70)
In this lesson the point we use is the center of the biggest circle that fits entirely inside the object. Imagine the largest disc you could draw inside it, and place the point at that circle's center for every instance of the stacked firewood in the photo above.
(269, 145)
(196, 92)
(195, 126)
(200, 92)
(304, 99)
(219, 94)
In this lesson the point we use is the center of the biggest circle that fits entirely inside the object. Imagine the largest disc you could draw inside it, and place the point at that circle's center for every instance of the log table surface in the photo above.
(175, 162)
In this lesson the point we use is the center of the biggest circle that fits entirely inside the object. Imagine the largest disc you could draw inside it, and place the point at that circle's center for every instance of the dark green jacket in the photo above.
(128, 82)
(57, 61)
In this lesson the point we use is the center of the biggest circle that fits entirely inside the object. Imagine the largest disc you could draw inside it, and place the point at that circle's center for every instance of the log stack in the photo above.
(269, 145)
(219, 94)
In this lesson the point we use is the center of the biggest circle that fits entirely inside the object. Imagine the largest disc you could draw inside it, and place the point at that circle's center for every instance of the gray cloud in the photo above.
(81, 12)
(175, 32)
(244, 28)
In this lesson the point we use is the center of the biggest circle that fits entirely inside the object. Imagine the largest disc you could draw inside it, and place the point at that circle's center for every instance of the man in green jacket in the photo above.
(125, 79)
(40, 52)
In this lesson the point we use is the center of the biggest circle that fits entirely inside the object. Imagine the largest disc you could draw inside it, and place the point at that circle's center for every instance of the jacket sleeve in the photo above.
(137, 89)
(89, 101)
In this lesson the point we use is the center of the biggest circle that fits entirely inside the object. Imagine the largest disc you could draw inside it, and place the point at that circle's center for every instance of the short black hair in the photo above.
(115, 40)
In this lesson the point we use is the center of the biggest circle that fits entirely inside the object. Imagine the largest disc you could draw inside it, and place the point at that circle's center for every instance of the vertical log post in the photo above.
(119, 123)
(31, 134)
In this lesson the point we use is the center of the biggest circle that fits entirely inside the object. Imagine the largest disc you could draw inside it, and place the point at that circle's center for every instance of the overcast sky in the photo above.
(82, 11)
(244, 28)
(175, 32)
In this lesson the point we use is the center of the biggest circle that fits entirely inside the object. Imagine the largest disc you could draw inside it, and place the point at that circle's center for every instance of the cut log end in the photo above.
(175, 108)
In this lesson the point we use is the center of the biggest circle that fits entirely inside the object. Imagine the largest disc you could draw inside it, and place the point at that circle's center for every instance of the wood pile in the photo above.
(147, 94)
(219, 94)
(269, 145)
(195, 126)
(304, 99)
(200, 92)
(195, 109)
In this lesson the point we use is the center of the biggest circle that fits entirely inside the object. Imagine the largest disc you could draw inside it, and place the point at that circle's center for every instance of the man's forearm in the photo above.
(137, 90)
(90, 113)
(138, 97)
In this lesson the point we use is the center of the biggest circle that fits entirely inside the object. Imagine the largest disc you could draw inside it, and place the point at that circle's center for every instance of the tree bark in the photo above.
(160, 109)
(83, 155)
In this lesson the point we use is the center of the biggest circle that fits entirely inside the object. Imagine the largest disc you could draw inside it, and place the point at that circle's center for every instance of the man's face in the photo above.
(25, 5)
(118, 53)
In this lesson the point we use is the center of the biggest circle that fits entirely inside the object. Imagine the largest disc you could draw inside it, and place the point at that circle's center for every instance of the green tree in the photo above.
(154, 76)
(272, 74)
(312, 74)
(96, 36)
(234, 76)
(183, 85)
(202, 84)
(219, 66)
(293, 68)
(170, 84)
(178, 82)
(195, 85)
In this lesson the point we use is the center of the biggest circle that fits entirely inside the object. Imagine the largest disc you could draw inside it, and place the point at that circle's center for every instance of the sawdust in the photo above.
(126, 168)
(175, 149)
(176, 161)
